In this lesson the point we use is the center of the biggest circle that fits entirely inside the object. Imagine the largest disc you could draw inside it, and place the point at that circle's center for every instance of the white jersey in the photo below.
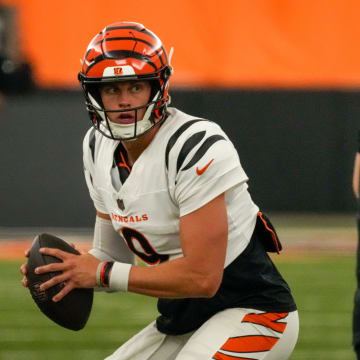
(188, 163)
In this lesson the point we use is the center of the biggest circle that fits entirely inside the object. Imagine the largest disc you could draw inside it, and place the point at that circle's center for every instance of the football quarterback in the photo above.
(169, 190)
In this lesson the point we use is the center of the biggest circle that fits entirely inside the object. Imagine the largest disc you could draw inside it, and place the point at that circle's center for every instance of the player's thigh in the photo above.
(141, 346)
(243, 332)
(151, 344)
(284, 347)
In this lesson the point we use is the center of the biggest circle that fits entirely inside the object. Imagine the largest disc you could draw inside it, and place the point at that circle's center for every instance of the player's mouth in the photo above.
(124, 118)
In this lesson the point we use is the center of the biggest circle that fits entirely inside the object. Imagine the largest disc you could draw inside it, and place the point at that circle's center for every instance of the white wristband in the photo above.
(119, 276)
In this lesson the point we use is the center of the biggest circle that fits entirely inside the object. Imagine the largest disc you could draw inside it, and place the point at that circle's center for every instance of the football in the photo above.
(72, 312)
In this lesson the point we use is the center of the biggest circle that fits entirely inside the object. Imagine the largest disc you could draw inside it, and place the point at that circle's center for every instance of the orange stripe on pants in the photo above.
(268, 320)
(220, 356)
(251, 343)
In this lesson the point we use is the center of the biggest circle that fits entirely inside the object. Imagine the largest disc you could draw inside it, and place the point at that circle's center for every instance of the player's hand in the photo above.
(78, 271)
(23, 269)
(356, 193)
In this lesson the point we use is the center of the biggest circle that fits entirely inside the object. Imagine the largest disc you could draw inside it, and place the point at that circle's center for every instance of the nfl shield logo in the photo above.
(120, 204)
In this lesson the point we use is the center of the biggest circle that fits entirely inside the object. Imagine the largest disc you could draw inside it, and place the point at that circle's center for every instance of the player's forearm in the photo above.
(356, 175)
(175, 279)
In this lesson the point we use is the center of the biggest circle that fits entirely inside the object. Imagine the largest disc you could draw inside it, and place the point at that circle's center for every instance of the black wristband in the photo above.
(107, 270)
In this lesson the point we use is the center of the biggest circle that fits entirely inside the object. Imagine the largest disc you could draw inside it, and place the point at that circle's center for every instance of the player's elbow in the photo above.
(210, 291)
(208, 286)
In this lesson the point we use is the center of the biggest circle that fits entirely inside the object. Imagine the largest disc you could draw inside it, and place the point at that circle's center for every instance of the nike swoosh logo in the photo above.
(201, 171)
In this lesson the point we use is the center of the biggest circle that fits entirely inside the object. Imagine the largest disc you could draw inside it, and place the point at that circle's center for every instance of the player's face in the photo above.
(125, 95)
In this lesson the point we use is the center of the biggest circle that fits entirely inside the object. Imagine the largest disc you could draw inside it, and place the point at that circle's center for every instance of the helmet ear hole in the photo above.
(155, 88)
(94, 91)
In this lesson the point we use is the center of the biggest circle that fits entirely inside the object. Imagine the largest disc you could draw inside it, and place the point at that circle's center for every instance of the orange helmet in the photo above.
(126, 51)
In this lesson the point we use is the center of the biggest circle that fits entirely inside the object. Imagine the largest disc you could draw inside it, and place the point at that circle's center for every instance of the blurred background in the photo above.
(282, 77)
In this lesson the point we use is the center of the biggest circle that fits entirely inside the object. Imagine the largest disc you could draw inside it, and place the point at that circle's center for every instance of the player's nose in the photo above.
(123, 99)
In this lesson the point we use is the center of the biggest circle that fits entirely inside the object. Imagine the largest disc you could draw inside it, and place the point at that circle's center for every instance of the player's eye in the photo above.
(136, 87)
(112, 90)
(109, 89)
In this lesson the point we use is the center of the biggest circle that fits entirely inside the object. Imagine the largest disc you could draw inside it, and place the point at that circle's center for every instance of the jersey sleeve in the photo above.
(89, 170)
(108, 245)
(204, 165)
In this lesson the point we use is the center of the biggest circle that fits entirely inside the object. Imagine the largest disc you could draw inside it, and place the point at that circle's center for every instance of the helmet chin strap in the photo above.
(126, 131)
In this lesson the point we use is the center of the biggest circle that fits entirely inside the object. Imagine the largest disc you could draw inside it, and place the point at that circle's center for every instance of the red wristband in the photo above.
(102, 273)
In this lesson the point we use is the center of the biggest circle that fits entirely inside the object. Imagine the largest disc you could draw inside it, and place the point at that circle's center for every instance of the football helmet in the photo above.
(126, 51)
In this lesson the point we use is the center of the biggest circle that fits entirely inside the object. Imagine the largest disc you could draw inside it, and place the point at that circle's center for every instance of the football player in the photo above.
(169, 188)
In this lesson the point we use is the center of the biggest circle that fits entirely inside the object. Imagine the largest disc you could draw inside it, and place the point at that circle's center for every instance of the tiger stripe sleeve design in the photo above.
(197, 156)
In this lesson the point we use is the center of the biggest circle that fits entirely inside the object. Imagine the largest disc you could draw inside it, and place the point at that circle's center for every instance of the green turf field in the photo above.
(323, 287)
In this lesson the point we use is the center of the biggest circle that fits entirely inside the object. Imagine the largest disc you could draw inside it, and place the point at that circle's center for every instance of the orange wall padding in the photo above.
(228, 43)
